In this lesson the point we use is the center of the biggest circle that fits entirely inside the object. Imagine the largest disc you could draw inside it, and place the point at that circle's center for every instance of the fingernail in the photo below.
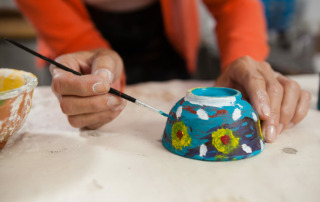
(290, 125)
(271, 133)
(100, 88)
(59, 97)
(113, 101)
(54, 72)
(265, 109)
(105, 74)
(52, 69)
(119, 108)
(280, 128)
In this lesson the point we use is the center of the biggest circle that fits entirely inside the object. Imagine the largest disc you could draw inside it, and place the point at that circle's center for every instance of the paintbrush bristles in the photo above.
(151, 108)
(147, 106)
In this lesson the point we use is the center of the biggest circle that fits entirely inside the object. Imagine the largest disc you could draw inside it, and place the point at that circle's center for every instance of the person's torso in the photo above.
(139, 38)
(119, 5)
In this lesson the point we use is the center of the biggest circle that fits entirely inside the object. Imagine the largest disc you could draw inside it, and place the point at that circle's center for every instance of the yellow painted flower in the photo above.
(260, 130)
(180, 136)
(224, 141)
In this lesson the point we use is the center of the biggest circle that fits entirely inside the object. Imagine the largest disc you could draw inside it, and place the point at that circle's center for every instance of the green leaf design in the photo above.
(2, 102)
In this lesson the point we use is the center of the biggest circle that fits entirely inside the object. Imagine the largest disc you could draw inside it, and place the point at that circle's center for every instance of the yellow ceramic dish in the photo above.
(16, 90)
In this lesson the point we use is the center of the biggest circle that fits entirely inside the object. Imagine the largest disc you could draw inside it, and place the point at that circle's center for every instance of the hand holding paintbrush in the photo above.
(84, 99)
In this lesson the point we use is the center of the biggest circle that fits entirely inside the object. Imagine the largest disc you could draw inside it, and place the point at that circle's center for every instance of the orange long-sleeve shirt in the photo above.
(64, 26)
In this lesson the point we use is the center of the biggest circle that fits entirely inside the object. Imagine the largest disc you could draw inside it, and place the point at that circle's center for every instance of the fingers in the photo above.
(72, 105)
(295, 103)
(107, 65)
(291, 96)
(93, 120)
(302, 108)
(78, 61)
(102, 67)
(66, 83)
(91, 112)
(289, 104)
(275, 93)
(279, 101)
(84, 99)
(245, 73)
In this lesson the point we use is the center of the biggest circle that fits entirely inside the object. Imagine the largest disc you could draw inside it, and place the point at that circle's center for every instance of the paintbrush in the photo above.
(112, 90)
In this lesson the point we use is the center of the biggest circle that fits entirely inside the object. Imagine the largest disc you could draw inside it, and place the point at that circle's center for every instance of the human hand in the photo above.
(84, 99)
(278, 100)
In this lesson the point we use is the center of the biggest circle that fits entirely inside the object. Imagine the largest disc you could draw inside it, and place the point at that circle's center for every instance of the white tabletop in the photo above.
(48, 160)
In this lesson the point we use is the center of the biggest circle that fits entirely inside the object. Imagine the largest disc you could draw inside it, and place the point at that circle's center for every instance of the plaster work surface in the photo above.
(48, 160)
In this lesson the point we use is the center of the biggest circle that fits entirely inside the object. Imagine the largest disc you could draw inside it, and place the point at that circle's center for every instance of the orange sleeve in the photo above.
(63, 25)
(241, 29)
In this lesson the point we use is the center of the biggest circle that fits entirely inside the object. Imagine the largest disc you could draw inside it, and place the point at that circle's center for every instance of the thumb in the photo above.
(107, 65)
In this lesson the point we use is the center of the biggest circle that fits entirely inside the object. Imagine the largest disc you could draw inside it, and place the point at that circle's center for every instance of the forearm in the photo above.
(63, 25)
(241, 29)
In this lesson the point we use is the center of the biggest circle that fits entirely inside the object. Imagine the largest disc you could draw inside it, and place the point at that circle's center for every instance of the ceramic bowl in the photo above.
(213, 124)
(16, 90)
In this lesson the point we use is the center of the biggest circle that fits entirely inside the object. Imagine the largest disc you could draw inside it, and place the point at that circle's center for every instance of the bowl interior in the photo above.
(214, 92)
(13, 82)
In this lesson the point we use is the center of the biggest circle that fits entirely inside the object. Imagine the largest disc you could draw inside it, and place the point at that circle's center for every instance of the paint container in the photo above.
(213, 124)
(16, 90)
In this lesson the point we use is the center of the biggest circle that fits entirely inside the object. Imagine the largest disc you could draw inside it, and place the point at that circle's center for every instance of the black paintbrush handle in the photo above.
(123, 95)
(42, 57)
(112, 90)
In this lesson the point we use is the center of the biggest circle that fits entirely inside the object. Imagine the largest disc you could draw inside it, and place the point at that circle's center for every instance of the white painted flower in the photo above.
(202, 114)
(261, 145)
(179, 112)
(203, 150)
(254, 116)
(240, 106)
(236, 114)
(246, 148)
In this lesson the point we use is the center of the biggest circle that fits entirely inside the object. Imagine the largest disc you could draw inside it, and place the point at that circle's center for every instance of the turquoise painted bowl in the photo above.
(213, 124)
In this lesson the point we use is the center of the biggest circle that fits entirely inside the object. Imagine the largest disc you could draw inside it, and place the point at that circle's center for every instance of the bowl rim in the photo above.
(229, 92)
(214, 101)
(29, 85)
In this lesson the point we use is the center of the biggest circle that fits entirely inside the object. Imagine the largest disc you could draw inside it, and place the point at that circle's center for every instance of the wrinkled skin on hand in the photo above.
(84, 99)
(279, 101)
